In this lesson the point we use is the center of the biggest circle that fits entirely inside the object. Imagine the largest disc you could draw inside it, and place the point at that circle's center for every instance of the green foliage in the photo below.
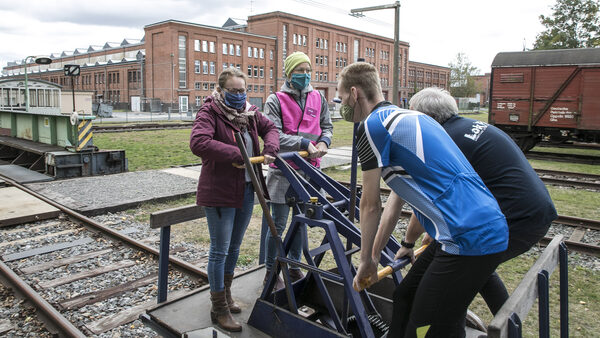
(573, 24)
(461, 76)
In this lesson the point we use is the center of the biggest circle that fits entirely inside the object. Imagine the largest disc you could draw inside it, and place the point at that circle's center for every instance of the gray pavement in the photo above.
(111, 193)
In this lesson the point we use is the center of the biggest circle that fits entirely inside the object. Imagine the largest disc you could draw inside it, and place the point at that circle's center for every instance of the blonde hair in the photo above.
(362, 75)
(230, 72)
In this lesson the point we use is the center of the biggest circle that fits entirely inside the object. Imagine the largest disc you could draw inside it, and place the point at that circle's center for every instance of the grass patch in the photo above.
(565, 166)
(572, 151)
(483, 117)
(575, 202)
(154, 149)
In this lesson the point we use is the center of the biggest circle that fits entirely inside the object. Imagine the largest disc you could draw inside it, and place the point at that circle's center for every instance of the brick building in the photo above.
(176, 64)
(482, 87)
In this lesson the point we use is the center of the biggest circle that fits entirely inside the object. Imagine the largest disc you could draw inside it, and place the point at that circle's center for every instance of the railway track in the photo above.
(139, 127)
(564, 178)
(560, 157)
(86, 278)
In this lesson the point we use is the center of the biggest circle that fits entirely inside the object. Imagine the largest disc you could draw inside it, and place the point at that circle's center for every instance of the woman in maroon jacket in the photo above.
(224, 188)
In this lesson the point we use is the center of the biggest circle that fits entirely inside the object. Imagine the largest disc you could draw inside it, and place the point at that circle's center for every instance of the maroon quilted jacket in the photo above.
(212, 139)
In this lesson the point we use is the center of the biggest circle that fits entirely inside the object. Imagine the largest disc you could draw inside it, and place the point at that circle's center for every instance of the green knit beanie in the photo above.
(293, 60)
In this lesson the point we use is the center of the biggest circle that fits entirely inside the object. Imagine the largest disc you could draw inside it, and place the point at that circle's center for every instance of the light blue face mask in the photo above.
(300, 81)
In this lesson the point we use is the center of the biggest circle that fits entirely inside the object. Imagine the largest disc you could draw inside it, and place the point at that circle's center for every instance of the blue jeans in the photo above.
(226, 227)
(280, 214)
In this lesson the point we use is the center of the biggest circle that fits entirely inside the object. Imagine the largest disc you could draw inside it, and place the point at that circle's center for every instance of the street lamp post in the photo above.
(39, 61)
(357, 12)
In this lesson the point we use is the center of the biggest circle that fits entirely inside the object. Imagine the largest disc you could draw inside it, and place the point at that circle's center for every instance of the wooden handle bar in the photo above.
(381, 274)
(261, 159)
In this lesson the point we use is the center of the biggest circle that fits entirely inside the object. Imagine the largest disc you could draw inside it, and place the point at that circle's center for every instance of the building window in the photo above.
(255, 71)
(249, 71)
(262, 89)
(256, 88)
(294, 39)
(197, 85)
(205, 67)
(326, 42)
(231, 49)
(337, 46)
(224, 65)
(211, 46)
(261, 72)
(325, 77)
(197, 45)
(303, 40)
(249, 52)
(182, 61)
(262, 53)
(197, 66)
(224, 49)
(317, 42)
(231, 65)
(212, 67)
(255, 52)
(198, 101)
(270, 73)
(271, 55)
(205, 86)
(238, 50)
(205, 46)
(212, 86)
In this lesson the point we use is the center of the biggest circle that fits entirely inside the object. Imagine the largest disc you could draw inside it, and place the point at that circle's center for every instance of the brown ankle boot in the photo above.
(219, 312)
(278, 282)
(233, 307)
(296, 275)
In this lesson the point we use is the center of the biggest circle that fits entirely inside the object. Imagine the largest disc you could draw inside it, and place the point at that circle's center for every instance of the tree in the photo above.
(573, 24)
(461, 80)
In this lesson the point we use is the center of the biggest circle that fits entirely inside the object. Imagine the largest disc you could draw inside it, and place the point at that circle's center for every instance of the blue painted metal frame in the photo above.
(544, 304)
(163, 263)
(564, 290)
(330, 217)
(515, 325)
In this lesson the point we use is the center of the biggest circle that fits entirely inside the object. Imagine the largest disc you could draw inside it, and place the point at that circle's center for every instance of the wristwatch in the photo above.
(407, 245)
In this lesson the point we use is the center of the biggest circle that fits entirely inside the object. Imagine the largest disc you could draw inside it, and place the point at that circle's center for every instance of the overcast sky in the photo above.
(436, 30)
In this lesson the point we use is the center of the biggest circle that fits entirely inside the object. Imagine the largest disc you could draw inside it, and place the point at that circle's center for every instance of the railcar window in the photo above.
(511, 78)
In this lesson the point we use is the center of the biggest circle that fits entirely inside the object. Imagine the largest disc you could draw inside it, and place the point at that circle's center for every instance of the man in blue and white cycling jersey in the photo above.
(424, 168)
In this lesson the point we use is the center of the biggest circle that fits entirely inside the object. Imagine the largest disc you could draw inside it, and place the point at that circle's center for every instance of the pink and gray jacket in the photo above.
(302, 118)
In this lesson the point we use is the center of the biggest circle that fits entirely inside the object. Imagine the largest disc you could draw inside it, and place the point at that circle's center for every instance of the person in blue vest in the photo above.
(424, 168)
(505, 171)
(302, 116)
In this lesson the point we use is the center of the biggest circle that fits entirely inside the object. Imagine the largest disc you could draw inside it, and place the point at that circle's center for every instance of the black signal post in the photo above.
(72, 71)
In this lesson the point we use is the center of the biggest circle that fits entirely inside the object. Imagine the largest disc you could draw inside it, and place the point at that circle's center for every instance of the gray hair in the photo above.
(435, 102)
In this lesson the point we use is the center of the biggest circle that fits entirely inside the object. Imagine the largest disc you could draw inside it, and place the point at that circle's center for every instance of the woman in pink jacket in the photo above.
(225, 190)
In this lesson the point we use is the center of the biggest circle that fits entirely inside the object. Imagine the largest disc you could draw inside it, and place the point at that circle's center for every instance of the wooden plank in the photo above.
(98, 296)
(19, 207)
(127, 316)
(40, 237)
(85, 274)
(5, 326)
(46, 249)
(167, 217)
(525, 294)
(64, 261)
(577, 235)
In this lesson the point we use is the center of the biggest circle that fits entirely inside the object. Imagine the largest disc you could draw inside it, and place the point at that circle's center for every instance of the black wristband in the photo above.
(407, 245)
